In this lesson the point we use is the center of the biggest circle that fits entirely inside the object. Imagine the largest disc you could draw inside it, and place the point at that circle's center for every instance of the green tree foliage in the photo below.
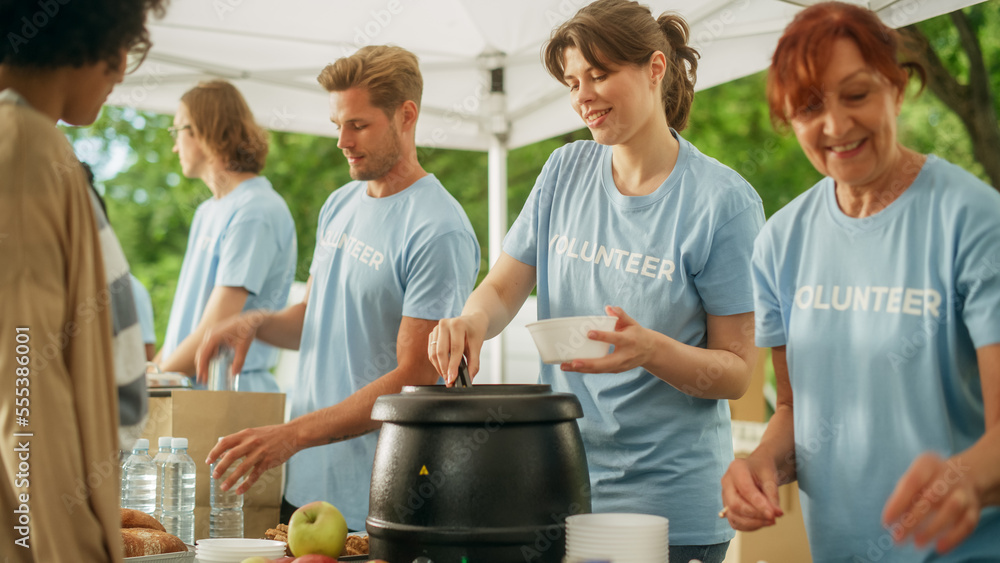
(959, 52)
(151, 205)
(731, 123)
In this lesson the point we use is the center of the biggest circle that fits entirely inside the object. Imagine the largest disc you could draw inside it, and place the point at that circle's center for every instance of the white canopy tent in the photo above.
(484, 84)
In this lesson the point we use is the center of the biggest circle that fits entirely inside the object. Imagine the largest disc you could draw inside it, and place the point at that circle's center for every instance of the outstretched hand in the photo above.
(260, 449)
(935, 500)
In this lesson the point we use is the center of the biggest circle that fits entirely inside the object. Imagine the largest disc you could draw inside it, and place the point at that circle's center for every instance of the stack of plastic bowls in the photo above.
(234, 550)
(617, 538)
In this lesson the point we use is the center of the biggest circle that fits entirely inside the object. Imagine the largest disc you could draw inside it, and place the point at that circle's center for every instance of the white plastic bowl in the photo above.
(565, 339)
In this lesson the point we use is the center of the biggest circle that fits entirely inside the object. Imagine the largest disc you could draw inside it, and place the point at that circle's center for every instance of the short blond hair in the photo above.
(391, 75)
(221, 117)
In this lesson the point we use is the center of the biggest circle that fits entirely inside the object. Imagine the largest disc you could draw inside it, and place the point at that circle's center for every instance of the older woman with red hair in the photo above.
(877, 290)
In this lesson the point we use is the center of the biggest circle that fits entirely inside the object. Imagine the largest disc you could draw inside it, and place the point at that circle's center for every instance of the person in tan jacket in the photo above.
(70, 345)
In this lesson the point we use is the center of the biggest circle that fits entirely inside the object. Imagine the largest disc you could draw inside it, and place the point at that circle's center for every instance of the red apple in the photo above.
(315, 558)
(317, 528)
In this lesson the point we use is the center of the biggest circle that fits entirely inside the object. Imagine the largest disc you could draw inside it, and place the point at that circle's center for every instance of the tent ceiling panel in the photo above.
(274, 51)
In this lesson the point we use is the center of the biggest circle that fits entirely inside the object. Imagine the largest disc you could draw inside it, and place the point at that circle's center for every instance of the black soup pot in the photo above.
(480, 474)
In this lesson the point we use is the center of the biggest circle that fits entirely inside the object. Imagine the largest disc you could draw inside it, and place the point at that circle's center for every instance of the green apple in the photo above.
(256, 559)
(317, 527)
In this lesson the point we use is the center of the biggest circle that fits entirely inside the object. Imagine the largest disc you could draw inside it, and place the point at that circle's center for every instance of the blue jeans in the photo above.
(704, 553)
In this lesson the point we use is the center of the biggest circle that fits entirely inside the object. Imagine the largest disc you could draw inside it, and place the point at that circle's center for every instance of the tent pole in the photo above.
(497, 229)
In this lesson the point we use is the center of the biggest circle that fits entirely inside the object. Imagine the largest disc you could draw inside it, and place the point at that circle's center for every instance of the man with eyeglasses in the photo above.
(71, 358)
(241, 251)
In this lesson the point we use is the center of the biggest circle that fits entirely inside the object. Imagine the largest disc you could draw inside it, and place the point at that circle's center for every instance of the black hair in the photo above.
(89, 173)
(59, 33)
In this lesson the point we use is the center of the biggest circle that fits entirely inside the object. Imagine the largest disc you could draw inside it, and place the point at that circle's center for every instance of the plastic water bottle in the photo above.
(226, 518)
(178, 491)
(159, 460)
(139, 479)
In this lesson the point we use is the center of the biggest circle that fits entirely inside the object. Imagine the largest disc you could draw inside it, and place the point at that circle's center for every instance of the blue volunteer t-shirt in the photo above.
(881, 316)
(377, 260)
(668, 259)
(245, 239)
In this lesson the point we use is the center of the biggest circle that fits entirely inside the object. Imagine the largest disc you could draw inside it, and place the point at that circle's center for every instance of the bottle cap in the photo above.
(164, 441)
(141, 444)
(179, 443)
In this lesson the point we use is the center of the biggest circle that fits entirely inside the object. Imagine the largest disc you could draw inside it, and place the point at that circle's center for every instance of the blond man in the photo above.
(394, 254)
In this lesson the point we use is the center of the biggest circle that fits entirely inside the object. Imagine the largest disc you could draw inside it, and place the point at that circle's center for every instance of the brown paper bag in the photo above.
(203, 417)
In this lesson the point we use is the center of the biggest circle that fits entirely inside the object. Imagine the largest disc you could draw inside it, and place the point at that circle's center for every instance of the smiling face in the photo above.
(368, 138)
(191, 151)
(850, 133)
(615, 105)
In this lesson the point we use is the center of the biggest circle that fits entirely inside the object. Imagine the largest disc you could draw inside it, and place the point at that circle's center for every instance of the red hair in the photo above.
(793, 81)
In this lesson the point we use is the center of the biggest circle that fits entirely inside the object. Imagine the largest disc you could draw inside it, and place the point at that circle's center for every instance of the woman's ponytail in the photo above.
(682, 70)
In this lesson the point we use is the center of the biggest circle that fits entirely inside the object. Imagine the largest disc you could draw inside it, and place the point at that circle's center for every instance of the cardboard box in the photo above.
(203, 417)
(751, 406)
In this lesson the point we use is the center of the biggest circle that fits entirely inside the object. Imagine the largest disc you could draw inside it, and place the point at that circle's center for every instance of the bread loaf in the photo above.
(143, 541)
(138, 519)
(356, 545)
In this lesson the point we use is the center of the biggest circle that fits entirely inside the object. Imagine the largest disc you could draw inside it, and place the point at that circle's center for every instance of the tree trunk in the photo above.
(972, 102)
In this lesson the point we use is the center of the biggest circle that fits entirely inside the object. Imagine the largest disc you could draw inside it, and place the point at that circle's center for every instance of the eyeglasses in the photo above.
(174, 131)
(135, 55)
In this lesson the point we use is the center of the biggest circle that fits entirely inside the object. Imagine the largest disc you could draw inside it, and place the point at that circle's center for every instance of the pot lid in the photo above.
(437, 404)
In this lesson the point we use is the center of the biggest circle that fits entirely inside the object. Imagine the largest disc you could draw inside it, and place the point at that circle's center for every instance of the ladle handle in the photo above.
(464, 380)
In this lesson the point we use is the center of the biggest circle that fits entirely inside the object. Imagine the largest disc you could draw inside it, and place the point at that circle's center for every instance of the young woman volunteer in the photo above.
(642, 226)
